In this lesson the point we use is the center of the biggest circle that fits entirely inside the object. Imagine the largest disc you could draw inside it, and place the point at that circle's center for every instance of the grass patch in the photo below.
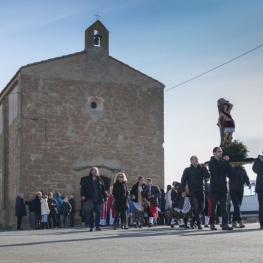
(5, 228)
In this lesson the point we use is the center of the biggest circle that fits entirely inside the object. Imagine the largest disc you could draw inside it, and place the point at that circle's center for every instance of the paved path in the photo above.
(159, 244)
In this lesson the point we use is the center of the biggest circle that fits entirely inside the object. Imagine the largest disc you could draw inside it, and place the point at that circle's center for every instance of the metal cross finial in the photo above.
(97, 16)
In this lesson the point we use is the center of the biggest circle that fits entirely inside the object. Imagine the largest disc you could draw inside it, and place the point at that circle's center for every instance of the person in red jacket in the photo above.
(111, 213)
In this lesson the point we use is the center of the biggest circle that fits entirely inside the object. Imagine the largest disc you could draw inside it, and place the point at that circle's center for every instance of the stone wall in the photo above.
(62, 136)
(1, 162)
(12, 182)
(58, 134)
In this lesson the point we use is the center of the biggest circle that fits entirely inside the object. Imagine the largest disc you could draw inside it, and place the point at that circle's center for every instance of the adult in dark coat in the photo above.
(37, 205)
(20, 210)
(138, 195)
(31, 208)
(53, 207)
(195, 176)
(92, 188)
(219, 168)
(121, 196)
(73, 210)
(236, 187)
(134, 190)
(258, 169)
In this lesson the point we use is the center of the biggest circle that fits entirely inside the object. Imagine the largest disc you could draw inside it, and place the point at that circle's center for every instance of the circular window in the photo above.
(93, 105)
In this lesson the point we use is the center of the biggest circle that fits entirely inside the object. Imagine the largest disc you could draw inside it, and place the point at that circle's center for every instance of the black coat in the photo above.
(73, 205)
(20, 209)
(120, 193)
(37, 205)
(238, 178)
(53, 208)
(31, 206)
(87, 189)
(195, 178)
(162, 203)
(65, 209)
(156, 192)
(134, 191)
(258, 169)
(219, 170)
(176, 197)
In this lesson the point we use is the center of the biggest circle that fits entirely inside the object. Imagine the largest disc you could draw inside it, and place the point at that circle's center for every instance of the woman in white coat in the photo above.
(44, 211)
(168, 203)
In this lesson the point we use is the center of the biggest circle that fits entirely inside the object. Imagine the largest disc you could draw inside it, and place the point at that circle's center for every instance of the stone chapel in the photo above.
(60, 117)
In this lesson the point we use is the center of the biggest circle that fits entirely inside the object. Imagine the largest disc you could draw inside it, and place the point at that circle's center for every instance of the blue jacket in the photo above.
(131, 207)
(59, 201)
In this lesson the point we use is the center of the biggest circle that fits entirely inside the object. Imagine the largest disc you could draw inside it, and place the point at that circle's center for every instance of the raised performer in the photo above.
(225, 121)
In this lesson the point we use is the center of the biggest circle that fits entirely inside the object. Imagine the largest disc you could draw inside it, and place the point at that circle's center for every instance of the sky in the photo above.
(169, 40)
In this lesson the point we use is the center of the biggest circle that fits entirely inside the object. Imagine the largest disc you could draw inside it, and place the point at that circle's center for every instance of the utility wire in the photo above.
(229, 61)
(214, 68)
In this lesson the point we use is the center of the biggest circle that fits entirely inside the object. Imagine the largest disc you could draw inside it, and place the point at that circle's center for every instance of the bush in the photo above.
(235, 149)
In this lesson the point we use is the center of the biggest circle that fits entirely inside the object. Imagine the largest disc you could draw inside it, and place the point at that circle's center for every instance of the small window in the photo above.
(249, 192)
(93, 105)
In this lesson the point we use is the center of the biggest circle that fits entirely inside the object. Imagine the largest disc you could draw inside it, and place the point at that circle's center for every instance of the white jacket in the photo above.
(44, 207)
(168, 201)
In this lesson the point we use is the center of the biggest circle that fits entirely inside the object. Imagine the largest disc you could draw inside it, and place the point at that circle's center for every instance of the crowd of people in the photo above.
(202, 197)
(46, 211)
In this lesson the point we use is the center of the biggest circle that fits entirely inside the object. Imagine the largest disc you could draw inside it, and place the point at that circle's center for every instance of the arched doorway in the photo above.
(107, 182)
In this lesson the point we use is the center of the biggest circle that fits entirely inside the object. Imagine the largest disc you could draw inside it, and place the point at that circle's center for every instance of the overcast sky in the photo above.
(169, 40)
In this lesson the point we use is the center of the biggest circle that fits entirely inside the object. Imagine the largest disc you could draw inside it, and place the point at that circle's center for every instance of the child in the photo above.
(44, 211)
(130, 212)
(65, 210)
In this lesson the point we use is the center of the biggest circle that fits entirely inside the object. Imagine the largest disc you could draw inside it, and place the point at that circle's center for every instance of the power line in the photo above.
(214, 68)
(182, 83)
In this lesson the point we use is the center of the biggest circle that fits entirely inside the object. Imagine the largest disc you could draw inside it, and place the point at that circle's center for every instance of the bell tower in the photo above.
(97, 36)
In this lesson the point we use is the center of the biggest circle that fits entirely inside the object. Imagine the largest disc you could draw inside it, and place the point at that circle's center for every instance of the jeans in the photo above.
(32, 219)
(197, 200)
(90, 214)
(229, 213)
(167, 220)
(123, 215)
(44, 218)
(222, 198)
(64, 220)
(58, 219)
(53, 217)
(38, 220)
(260, 202)
(237, 197)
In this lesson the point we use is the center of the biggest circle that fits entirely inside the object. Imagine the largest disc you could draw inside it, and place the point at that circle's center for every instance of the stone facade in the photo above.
(74, 112)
